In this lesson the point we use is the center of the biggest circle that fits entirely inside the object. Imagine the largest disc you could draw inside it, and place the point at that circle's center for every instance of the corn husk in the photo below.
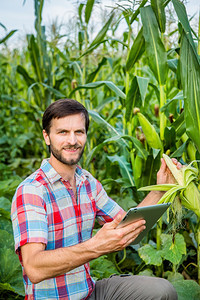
(185, 187)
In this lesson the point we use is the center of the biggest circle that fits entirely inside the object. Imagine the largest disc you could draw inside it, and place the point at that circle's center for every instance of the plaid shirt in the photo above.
(44, 210)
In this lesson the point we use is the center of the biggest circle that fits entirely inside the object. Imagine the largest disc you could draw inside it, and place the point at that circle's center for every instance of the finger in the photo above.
(174, 160)
(177, 163)
(133, 235)
(132, 227)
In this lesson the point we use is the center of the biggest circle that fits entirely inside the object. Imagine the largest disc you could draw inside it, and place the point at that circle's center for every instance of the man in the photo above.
(53, 215)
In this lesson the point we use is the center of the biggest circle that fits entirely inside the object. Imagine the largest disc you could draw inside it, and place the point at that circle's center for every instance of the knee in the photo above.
(166, 290)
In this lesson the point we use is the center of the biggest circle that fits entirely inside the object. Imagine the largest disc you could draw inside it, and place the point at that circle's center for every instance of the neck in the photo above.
(65, 171)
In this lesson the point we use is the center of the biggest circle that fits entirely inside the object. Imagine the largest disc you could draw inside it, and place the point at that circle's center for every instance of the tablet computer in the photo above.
(150, 213)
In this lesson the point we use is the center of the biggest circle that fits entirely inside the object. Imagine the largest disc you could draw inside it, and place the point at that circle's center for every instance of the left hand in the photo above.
(164, 175)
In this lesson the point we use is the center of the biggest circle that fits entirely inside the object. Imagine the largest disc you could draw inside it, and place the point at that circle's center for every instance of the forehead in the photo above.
(76, 121)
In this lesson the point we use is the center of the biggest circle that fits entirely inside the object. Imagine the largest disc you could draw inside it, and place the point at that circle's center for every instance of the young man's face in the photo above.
(67, 138)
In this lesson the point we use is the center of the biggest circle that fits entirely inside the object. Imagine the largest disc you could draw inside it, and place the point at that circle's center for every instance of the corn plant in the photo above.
(187, 191)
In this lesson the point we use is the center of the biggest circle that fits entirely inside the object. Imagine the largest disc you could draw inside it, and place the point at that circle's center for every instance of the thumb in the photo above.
(117, 220)
(163, 164)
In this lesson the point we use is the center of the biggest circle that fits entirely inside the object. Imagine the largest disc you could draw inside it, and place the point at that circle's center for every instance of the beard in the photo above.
(69, 162)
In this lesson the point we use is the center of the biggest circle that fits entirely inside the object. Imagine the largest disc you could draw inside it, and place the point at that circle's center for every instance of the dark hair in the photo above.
(62, 108)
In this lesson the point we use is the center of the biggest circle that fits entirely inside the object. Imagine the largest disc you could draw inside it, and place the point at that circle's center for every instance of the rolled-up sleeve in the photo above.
(29, 218)
(107, 209)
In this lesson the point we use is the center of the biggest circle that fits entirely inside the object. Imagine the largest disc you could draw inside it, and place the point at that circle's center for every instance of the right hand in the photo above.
(110, 238)
(164, 175)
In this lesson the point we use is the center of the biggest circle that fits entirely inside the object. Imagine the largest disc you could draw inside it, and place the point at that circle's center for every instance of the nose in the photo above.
(72, 139)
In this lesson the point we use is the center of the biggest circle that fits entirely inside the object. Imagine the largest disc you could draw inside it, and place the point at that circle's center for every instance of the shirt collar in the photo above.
(53, 176)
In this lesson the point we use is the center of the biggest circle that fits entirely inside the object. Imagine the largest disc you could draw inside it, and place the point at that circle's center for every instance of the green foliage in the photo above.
(155, 49)
(150, 255)
(102, 267)
(173, 247)
(11, 285)
(148, 69)
(186, 289)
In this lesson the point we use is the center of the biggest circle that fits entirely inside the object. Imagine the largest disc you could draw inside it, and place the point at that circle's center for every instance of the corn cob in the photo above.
(185, 188)
(150, 133)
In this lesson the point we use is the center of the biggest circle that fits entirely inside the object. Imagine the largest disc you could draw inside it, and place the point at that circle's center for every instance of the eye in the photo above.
(80, 131)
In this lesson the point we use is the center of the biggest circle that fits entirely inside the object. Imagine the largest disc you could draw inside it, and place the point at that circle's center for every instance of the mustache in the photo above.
(74, 147)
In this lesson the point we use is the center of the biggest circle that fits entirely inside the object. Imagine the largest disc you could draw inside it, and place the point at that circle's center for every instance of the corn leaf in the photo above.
(182, 15)
(3, 26)
(30, 83)
(158, 187)
(133, 95)
(136, 13)
(91, 48)
(124, 183)
(190, 198)
(137, 91)
(35, 57)
(159, 10)
(125, 168)
(101, 34)
(179, 152)
(143, 85)
(99, 120)
(179, 125)
(170, 195)
(136, 50)
(88, 10)
(106, 101)
(96, 149)
(80, 8)
(173, 64)
(156, 53)
(38, 13)
(94, 85)
(179, 96)
(190, 76)
(190, 72)
(142, 153)
(91, 77)
(21, 70)
(56, 92)
(3, 40)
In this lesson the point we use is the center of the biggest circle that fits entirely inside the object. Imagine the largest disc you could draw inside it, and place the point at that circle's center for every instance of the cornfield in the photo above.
(142, 92)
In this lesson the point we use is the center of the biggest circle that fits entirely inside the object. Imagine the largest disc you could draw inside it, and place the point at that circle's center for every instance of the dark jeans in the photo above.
(133, 288)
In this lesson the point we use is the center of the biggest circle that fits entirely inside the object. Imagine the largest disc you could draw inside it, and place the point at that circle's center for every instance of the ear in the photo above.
(46, 137)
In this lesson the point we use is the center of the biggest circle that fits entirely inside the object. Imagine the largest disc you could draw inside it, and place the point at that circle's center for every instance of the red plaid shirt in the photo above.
(44, 210)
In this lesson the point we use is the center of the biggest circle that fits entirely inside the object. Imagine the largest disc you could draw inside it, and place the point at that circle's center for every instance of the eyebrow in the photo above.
(64, 129)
